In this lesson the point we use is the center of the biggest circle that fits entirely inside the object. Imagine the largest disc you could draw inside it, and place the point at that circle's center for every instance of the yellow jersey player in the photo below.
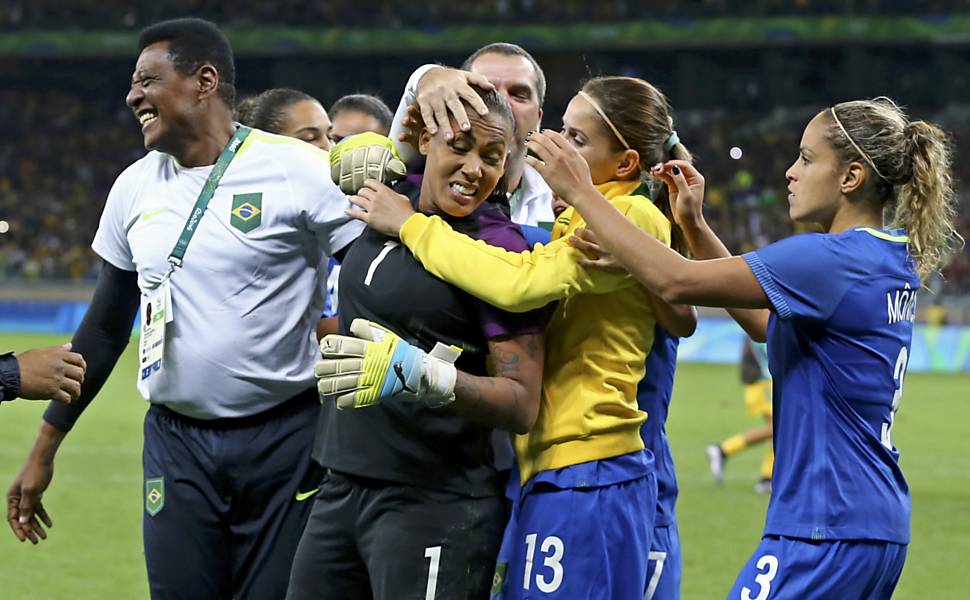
(757, 399)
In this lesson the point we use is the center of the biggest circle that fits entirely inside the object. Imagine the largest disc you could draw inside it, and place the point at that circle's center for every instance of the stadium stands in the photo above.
(27, 14)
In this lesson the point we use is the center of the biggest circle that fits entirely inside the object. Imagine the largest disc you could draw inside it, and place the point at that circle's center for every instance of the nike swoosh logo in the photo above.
(301, 496)
(148, 214)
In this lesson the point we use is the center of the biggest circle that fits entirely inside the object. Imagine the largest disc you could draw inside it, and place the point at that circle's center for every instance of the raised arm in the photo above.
(686, 190)
(724, 282)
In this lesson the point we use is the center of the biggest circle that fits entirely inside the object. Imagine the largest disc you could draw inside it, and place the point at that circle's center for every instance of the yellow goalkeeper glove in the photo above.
(376, 365)
(364, 156)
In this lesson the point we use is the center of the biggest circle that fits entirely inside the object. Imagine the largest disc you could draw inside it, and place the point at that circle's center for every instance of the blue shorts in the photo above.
(579, 532)
(783, 568)
(223, 502)
(664, 564)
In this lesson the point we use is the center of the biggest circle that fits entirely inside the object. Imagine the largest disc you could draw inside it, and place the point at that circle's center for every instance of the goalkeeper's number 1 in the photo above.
(388, 246)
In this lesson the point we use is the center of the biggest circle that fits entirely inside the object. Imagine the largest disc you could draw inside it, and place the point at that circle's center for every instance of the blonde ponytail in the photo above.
(925, 203)
(911, 163)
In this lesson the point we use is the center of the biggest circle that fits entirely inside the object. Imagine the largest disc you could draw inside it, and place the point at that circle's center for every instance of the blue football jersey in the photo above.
(653, 398)
(839, 336)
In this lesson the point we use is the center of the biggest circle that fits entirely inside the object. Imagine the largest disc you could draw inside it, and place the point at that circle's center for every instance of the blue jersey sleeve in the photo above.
(535, 235)
(805, 276)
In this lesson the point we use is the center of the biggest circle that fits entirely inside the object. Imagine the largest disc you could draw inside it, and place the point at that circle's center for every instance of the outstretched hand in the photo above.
(380, 207)
(53, 373)
(685, 187)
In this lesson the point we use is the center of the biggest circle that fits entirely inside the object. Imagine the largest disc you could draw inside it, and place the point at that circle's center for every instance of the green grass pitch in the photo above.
(94, 550)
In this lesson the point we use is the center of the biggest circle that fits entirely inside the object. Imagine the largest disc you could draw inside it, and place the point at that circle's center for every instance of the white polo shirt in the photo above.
(531, 202)
(251, 287)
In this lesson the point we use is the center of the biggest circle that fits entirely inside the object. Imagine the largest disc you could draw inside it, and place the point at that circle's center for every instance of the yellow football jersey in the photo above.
(597, 339)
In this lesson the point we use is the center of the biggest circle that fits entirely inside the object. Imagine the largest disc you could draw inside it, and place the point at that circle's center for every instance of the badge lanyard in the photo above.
(175, 258)
(156, 305)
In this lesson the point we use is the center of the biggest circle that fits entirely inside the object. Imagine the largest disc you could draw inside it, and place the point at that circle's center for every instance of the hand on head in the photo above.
(442, 91)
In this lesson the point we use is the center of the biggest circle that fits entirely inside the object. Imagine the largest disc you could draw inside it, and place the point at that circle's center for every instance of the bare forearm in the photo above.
(678, 319)
(704, 244)
(653, 264)
(509, 399)
(722, 282)
(46, 443)
(496, 402)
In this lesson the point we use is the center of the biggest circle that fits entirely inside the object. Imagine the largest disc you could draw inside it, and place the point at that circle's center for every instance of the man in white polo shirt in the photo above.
(220, 237)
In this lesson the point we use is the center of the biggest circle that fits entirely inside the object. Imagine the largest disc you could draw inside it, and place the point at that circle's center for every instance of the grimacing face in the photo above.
(164, 101)
(814, 178)
(515, 78)
(461, 173)
(308, 121)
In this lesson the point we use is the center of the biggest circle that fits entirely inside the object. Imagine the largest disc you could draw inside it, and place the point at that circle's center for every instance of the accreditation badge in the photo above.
(155, 314)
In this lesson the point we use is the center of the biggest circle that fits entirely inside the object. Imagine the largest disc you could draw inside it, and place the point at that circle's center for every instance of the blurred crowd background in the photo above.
(66, 132)
(430, 13)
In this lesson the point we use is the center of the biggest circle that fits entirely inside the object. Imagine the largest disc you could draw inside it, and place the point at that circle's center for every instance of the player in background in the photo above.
(357, 113)
(586, 497)
(223, 233)
(287, 112)
(756, 380)
(413, 505)
(841, 309)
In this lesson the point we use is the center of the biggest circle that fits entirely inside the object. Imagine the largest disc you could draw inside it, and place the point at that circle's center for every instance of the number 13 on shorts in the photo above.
(549, 577)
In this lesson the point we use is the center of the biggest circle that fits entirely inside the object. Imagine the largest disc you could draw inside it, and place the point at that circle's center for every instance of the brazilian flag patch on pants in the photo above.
(154, 495)
(498, 580)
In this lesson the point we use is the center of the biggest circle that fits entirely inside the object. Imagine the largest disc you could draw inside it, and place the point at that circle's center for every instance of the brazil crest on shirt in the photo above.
(247, 210)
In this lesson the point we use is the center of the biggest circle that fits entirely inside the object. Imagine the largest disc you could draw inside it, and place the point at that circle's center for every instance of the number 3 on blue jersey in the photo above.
(898, 373)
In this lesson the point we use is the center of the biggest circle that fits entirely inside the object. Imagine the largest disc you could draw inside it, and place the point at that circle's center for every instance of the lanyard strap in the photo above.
(228, 153)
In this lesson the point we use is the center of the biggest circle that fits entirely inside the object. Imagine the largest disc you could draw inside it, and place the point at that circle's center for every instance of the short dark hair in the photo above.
(193, 43)
(497, 105)
(266, 111)
(367, 104)
(507, 49)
